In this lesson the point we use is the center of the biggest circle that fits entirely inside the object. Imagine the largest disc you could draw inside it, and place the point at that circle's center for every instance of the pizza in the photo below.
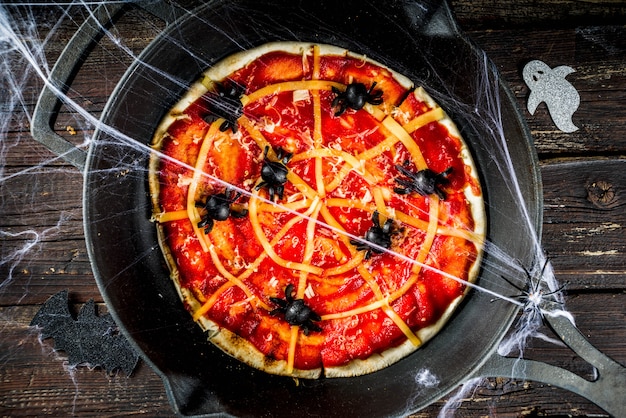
(319, 213)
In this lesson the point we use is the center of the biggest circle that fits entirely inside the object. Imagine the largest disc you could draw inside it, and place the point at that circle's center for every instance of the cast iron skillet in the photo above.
(418, 39)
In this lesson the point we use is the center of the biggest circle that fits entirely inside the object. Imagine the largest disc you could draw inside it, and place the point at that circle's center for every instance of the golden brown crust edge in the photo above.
(244, 351)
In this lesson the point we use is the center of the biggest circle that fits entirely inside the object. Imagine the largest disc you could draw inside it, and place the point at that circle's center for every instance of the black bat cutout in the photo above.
(89, 339)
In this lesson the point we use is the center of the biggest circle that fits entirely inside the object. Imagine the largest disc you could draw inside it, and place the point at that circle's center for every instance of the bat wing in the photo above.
(90, 339)
(54, 316)
(101, 343)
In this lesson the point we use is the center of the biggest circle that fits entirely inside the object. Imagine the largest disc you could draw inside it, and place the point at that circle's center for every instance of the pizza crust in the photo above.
(230, 342)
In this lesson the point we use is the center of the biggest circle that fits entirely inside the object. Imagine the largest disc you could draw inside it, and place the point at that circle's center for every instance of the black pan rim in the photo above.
(92, 237)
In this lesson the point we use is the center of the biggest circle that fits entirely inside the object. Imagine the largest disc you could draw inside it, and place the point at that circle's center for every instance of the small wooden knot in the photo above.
(601, 194)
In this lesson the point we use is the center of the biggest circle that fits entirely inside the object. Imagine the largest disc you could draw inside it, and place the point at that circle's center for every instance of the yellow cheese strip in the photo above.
(235, 280)
(351, 264)
(376, 150)
(319, 177)
(211, 301)
(260, 236)
(301, 185)
(316, 62)
(291, 355)
(349, 203)
(277, 88)
(424, 119)
(402, 325)
(338, 178)
(317, 142)
(369, 279)
(329, 152)
(327, 245)
(363, 309)
(365, 273)
(371, 282)
(411, 220)
(176, 215)
(277, 237)
(366, 155)
(192, 211)
(353, 162)
(375, 111)
(309, 247)
(424, 250)
(381, 207)
(396, 129)
(461, 233)
(302, 283)
(256, 135)
(284, 207)
(431, 232)
(441, 230)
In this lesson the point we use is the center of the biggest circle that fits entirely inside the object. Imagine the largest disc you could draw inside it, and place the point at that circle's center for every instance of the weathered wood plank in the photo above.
(584, 232)
(584, 222)
(600, 79)
(532, 14)
(583, 229)
(36, 380)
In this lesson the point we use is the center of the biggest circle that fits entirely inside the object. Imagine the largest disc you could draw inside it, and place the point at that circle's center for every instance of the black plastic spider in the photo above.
(424, 182)
(378, 235)
(274, 173)
(296, 311)
(535, 294)
(225, 102)
(218, 208)
(355, 96)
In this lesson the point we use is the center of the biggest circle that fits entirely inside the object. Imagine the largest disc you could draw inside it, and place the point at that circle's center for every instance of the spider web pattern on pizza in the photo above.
(319, 213)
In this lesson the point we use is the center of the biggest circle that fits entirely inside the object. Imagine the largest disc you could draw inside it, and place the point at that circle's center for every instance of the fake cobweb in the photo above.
(41, 218)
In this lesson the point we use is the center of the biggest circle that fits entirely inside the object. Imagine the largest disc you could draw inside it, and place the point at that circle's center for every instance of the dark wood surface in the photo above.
(584, 179)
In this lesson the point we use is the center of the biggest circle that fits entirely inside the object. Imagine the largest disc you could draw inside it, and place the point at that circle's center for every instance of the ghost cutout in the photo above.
(549, 85)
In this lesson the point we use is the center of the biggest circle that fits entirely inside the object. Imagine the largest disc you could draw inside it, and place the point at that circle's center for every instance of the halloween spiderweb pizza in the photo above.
(319, 213)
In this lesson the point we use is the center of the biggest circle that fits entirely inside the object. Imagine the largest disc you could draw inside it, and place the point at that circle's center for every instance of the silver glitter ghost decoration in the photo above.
(550, 86)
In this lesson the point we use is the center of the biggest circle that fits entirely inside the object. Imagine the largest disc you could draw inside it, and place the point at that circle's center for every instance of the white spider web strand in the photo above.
(92, 120)
(25, 49)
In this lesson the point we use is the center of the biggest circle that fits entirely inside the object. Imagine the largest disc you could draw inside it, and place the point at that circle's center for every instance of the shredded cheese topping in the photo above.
(311, 206)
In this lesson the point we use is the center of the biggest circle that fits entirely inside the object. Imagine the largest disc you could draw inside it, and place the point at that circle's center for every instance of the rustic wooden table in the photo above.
(42, 247)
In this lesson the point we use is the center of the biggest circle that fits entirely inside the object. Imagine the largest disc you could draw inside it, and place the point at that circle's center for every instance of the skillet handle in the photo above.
(608, 390)
(68, 64)
(46, 110)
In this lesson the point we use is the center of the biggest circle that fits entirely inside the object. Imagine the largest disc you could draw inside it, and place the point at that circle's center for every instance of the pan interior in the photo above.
(122, 241)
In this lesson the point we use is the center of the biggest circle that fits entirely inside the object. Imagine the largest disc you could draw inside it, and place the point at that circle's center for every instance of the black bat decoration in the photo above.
(89, 339)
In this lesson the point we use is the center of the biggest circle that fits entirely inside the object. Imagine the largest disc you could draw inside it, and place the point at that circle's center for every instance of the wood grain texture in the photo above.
(584, 179)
